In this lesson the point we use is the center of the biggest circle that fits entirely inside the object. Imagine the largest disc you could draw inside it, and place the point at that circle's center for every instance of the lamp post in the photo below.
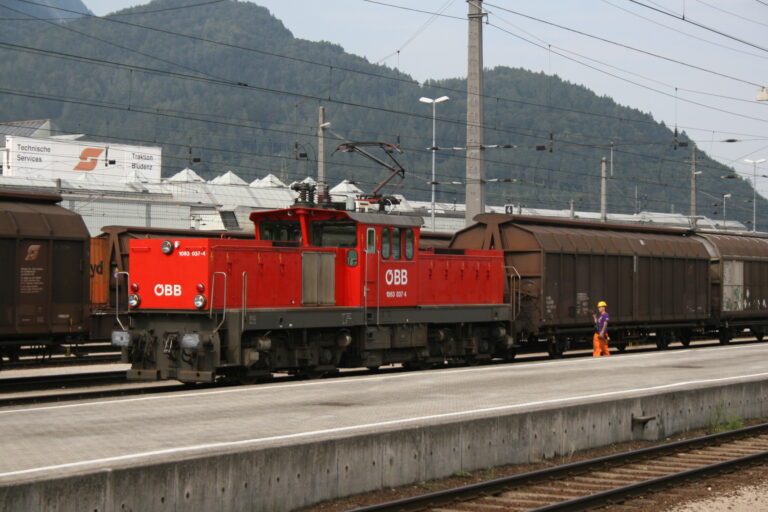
(725, 196)
(754, 189)
(434, 103)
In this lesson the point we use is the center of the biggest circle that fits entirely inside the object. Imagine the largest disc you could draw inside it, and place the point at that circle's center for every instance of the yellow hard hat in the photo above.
(602, 304)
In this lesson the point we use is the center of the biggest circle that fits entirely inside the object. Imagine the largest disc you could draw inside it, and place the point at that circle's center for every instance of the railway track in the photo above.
(46, 356)
(81, 386)
(24, 384)
(602, 482)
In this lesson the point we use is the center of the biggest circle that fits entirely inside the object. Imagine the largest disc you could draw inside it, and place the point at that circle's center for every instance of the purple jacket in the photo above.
(604, 319)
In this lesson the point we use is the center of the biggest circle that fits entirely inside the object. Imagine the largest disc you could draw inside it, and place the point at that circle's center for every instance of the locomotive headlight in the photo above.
(190, 341)
(121, 338)
(166, 247)
(134, 300)
(199, 301)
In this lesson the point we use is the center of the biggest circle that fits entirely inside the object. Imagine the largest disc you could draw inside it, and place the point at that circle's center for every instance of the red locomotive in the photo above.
(316, 290)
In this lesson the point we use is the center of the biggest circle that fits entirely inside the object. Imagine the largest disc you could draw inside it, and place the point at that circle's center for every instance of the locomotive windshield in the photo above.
(281, 231)
(334, 234)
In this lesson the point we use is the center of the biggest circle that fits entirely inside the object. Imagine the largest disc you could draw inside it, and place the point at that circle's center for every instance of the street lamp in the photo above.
(725, 196)
(434, 103)
(754, 189)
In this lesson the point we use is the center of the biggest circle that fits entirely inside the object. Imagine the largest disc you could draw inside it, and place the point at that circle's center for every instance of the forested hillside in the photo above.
(227, 83)
(57, 11)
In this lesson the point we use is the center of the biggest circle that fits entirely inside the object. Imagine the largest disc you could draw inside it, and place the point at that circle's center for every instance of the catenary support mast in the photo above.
(475, 176)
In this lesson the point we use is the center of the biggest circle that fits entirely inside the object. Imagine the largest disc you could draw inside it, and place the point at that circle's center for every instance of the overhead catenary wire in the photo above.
(366, 107)
(550, 107)
(687, 34)
(628, 47)
(341, 68)
(700, 25)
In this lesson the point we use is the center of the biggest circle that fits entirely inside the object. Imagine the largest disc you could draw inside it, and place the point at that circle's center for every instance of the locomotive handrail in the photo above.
(515, 294)
(245, 298)
(117, 296)
(213, 296)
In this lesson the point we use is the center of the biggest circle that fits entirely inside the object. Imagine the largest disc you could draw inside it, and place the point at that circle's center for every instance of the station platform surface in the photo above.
(57, 441)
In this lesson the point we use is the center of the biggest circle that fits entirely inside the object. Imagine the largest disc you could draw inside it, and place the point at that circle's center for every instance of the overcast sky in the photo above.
(711, 104)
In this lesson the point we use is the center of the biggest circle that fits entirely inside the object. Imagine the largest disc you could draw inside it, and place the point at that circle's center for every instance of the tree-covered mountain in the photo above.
(227, 83)
(57, 11)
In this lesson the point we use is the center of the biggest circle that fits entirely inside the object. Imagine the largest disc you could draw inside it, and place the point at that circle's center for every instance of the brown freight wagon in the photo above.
(739, 270)
(655, 280)
(44, 272)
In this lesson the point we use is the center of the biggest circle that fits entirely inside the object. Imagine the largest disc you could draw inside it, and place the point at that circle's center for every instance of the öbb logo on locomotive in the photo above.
(397, 277)
(167, 290)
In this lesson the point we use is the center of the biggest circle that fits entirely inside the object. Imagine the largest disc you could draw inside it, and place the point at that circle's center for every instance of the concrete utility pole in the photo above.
(693, 183)
(603, 186)
(754, 189)
(475, 188)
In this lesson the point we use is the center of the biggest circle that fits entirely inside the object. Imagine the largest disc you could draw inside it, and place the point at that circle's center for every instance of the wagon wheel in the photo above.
(417, 365)
(621, 347)
(757, 333)
(662, 340)
(685, 338)
(557, 347)
(725, 336)
(310, 373)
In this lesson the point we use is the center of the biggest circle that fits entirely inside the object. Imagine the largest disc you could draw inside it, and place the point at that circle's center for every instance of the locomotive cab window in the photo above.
(370, 241)
(334, 234)
(395, 244)
(409, 244)
(385, 245)
(280, 231)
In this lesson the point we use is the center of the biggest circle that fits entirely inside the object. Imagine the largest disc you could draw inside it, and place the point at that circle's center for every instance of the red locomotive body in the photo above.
(316, 290)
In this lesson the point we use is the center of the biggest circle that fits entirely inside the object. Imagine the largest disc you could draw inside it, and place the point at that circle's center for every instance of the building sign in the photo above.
(65, 159)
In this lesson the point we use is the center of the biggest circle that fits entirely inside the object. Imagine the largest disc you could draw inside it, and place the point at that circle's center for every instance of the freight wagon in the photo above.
(661, 284)
(44, 273)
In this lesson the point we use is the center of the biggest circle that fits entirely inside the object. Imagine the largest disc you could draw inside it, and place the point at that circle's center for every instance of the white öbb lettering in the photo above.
(168, 290)
(397, 277)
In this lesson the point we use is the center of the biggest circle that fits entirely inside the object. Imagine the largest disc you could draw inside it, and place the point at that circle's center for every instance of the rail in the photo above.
(635, 472)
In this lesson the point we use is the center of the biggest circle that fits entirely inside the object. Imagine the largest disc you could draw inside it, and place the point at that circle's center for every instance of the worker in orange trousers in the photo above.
(600, 339)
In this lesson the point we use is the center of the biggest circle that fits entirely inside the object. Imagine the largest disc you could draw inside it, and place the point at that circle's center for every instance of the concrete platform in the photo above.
(279, 447)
